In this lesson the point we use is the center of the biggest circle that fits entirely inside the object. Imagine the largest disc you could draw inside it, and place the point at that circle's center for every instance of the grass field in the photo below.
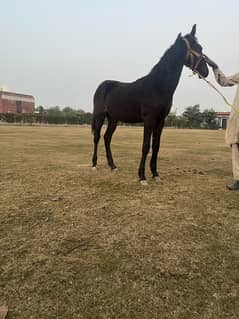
(97, 245)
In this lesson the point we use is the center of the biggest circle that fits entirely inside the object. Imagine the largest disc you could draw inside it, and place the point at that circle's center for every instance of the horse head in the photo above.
(194, 58)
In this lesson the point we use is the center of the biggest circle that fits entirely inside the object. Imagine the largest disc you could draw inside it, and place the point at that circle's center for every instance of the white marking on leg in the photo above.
(144, 182)
(157, 179)
(94, 168)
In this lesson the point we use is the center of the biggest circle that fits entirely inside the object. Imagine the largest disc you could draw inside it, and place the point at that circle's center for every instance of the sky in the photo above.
(60, 51)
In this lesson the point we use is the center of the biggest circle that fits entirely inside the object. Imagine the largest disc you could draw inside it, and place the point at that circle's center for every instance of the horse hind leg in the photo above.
(98, 123)
(107, 137)
(155, 149)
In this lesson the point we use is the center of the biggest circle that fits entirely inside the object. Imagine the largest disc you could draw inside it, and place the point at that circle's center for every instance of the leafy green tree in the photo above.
(171, 120)
(40, 109)
(181, 122)
(193, 116)
(80, 111)
(54, 109)
(67, 109)
(86, 118)
(209, 119)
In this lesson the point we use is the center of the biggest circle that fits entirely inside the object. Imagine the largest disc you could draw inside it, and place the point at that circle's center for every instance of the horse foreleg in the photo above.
(155, 149)
(107, 137)
(145, 150)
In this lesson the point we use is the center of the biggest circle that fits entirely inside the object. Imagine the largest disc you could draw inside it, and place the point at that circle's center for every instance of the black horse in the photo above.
(148, 100)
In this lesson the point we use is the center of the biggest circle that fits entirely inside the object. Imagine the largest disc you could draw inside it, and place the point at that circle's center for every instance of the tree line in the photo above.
(192, 117)
(53, 115)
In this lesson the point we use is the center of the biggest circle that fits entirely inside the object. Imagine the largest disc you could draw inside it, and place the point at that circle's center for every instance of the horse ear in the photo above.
(179, 37)
(193, 32)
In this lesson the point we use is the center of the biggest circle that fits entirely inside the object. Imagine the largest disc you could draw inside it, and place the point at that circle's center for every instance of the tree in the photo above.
(80, 111)
(181, 122)
(40, 109)
(54, 109)
(193, 116)
(171, 120)
(67, 109)
(209, 119)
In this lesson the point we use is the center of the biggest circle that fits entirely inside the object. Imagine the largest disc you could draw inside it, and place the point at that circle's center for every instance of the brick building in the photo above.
(16, 103)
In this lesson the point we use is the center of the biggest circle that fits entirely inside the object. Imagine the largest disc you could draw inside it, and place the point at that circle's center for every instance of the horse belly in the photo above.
(126, 113)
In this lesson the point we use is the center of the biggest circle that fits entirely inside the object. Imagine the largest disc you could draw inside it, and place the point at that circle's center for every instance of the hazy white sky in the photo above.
(60, 50)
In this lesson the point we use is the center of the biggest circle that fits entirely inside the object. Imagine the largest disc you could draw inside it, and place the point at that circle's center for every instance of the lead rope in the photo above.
(217, 90)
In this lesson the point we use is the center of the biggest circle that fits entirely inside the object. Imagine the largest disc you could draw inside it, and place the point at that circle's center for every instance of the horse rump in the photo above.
(100, 107)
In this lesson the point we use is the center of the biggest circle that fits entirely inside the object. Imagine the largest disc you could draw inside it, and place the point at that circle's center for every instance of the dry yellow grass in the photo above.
(110, 248)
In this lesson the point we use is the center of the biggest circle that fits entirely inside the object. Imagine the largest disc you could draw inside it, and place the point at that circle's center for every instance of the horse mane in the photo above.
(168, 58)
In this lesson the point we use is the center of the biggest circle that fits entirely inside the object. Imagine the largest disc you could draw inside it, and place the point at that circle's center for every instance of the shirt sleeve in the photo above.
(224, 80)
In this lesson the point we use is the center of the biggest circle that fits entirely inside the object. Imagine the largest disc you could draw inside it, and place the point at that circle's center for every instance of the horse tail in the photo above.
(100, 107)
(93, 124)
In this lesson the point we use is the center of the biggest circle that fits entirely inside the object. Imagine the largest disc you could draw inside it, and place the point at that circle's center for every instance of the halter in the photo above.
(191, 53)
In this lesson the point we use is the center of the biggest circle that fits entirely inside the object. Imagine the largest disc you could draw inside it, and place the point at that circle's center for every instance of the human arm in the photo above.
(220, 77)
(224, 80)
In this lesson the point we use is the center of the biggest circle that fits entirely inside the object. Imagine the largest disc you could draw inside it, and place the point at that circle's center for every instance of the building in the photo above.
(16, 103)
(222, 118)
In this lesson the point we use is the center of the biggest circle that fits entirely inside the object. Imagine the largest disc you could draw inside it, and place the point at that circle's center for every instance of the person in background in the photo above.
(232, 130)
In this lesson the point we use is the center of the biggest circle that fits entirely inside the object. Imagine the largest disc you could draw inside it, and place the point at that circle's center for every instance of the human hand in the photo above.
(210, 62)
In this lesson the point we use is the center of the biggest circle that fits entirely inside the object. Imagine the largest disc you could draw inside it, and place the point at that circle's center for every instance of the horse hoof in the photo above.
(114, 169)
(94, 168)
(144, 182)
(157, 179)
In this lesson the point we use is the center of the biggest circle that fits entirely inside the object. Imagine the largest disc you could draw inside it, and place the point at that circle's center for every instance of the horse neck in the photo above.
(166, 74)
